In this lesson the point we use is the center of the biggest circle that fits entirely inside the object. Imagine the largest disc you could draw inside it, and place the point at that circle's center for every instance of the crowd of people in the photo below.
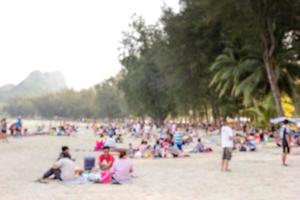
(66, 129)
(14, 128)
(173, 140)
(164, 142)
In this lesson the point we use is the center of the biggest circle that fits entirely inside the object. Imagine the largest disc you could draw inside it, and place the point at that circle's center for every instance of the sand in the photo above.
(257, 176)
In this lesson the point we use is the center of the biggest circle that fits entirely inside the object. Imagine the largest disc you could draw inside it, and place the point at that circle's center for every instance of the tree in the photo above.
(144, 83)
(108, 100)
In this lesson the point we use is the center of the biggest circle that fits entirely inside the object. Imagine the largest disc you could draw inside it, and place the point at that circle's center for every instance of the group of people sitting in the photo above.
(63, 130)
(109, 170)
(168, 145)
(107, 137)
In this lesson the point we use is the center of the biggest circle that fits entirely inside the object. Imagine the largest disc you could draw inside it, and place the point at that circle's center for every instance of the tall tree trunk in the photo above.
(214, 112)
(269, 45)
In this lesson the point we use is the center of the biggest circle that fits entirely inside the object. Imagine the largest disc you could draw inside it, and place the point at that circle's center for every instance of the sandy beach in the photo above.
(257, 176)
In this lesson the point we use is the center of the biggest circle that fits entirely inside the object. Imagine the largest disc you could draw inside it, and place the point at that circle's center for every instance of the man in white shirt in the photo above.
(285, 141)
(227, 145)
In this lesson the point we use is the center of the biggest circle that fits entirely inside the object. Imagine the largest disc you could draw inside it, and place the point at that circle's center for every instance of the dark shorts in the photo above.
(227, 154)
(285, 149)
(3, 131)
(179, 146)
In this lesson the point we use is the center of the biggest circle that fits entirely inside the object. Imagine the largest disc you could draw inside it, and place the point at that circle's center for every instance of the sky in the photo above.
(80, 38)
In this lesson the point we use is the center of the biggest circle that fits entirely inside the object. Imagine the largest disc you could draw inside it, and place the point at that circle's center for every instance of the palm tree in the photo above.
(241, 73)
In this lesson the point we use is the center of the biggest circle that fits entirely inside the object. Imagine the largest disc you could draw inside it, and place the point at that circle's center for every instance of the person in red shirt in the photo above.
(106, 160)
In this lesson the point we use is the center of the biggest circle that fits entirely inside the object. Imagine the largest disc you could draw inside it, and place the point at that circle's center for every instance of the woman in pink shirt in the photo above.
(121, 169)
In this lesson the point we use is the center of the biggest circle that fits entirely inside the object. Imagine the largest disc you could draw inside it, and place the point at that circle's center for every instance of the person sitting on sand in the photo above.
(199, 147)
(178, 140)
(110, 142)
(165, 145)
(131, 151)
(141, 149)
(68, 168)
(106, 160)
(56, 172)
(119, 138)
(158, 150)
(121, 169)
(174, 150)
(100, 143)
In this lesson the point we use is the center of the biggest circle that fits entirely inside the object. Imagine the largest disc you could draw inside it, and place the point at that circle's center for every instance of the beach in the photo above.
(256, 175)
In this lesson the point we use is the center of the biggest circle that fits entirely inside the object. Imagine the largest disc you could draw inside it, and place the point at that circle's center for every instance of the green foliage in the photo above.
(215, 58)
(144, 84)
(109, 102)
(103, 101)
(262, 112)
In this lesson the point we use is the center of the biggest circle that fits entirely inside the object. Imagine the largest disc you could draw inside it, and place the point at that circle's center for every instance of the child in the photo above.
(199, 147)
(131, 151)
(100, 143)
(119, 138)
(174, 150)
(158, 150)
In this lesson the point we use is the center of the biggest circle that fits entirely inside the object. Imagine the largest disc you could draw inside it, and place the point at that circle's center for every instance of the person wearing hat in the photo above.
(285, 141)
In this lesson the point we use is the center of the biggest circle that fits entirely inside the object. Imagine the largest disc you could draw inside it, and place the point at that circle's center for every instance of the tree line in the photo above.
(212, 59)
(218, 58)
(104, 100)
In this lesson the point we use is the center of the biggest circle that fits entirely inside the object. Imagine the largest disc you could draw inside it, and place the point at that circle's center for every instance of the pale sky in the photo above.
(80, 38)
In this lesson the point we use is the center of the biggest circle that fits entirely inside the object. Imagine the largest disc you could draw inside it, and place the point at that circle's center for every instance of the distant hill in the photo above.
(6, 88)
(36, 84)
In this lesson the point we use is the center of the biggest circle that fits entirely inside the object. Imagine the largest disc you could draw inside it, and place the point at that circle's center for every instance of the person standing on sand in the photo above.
(285, 141)
(4, 130)
(18, 127)
(227, 145)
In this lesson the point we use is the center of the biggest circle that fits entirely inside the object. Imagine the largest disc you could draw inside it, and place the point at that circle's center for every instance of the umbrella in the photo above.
(282, 119)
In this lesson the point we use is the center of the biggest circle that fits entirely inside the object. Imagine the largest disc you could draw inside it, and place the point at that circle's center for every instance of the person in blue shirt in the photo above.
(18, 127)
(178, 140)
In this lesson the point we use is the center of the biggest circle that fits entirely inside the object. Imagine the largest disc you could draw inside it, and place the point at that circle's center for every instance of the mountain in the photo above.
(6, 88)
(36, 84)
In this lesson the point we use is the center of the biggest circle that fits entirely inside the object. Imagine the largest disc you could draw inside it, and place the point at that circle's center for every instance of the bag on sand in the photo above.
(89, 163)
(105, 177)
